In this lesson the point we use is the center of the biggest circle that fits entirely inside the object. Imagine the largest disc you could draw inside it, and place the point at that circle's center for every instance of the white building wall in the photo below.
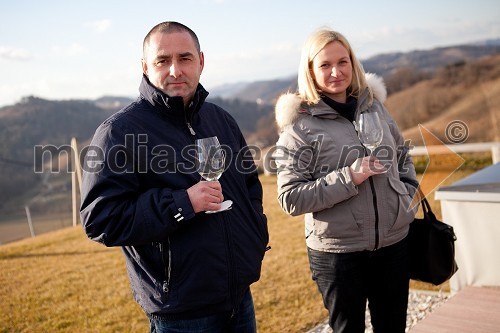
(477, 227)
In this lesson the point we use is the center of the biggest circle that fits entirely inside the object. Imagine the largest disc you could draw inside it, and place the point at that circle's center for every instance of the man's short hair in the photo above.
(169, 27)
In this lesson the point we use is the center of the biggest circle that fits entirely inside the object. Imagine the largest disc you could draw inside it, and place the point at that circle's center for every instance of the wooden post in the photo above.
(76, 180)
(495, 153)
(30, 224)
(78, 167)
(73, 198)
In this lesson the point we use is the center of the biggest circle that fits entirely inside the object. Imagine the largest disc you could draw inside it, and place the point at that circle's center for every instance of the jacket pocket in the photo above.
(166, 257)
(337, 222)
(398, 205)
(148, 273)
(262, 224)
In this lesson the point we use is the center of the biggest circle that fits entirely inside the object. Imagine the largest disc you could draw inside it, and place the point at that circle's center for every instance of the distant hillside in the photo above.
(265, 92)
(247, 115)
(112, 102)
(429, 60)
(460, 90)
(468, 92)
(35, 121)
(405, 69)
(227, 90)
(426, 87)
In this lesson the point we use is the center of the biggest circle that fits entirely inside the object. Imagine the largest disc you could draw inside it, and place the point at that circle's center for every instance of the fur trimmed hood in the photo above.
(289, 106)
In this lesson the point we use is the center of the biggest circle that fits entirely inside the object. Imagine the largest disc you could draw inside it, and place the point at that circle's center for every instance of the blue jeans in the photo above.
(347, 281)
(241, 320)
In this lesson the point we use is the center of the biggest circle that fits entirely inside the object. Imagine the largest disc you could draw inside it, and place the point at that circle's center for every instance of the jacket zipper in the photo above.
(191, 130)
(374, 194)
(375, 206)
(167, 267)
(190, 120)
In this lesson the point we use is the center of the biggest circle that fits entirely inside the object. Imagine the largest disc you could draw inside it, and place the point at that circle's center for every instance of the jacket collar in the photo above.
(322, 109)
(175, 104)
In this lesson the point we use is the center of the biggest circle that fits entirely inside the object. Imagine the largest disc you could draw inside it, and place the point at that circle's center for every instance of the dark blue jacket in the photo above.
(136, 172)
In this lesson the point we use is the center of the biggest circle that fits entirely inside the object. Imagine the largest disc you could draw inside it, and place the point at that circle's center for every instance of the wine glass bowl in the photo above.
(370, 130)
(210, 163)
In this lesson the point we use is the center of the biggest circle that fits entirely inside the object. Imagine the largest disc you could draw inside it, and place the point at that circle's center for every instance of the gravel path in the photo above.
(420, 304)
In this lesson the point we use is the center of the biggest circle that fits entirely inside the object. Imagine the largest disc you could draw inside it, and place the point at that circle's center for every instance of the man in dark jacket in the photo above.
(189, 271)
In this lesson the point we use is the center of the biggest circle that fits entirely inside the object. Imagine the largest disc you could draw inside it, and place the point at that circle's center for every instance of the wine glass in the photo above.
(370, 130)
(210, 163)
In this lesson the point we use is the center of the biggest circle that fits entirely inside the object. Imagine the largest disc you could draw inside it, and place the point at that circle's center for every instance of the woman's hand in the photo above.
(365, 167)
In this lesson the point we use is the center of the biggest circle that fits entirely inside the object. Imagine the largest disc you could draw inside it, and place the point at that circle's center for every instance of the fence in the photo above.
(493, 147)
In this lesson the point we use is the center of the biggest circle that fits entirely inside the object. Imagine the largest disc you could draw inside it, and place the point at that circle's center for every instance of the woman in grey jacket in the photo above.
(357, 210)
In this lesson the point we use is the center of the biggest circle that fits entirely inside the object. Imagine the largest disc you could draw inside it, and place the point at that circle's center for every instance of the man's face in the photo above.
(173, 64)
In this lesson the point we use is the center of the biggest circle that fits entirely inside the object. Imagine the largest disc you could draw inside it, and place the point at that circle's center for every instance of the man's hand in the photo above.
(205, 196)
(365, 167)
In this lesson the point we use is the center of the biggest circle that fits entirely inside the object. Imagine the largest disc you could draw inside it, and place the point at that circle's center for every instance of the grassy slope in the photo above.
(470, 93)
(62, 282)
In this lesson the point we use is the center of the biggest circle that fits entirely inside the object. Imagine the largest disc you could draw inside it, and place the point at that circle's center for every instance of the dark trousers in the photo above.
(347, 281)
(241, 320)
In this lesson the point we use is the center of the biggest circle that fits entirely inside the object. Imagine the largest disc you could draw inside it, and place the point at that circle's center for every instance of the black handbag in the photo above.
(432, 248)
(432, 245)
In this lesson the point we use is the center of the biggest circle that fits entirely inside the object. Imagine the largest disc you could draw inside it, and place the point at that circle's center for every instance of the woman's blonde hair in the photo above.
(314, 44)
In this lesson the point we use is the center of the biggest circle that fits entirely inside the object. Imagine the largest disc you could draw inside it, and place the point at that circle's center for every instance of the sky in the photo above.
(89, 49)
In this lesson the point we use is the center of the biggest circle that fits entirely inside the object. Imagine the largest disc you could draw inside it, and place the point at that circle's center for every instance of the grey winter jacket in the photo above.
(314, 152)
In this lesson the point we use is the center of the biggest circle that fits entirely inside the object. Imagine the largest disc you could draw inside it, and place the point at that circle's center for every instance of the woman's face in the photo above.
(332, 71)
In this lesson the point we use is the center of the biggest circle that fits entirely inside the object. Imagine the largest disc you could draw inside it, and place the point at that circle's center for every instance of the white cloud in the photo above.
(403, 39)
(99, 26)
(72, 50)
(276, 61)
(11, 53)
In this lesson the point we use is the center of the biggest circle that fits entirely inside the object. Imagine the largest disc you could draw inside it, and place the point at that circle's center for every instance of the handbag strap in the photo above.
(426, 207)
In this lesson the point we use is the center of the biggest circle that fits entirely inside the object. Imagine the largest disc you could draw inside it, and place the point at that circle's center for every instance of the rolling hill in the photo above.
(466, 92)
(399, 69)
(463, 84)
